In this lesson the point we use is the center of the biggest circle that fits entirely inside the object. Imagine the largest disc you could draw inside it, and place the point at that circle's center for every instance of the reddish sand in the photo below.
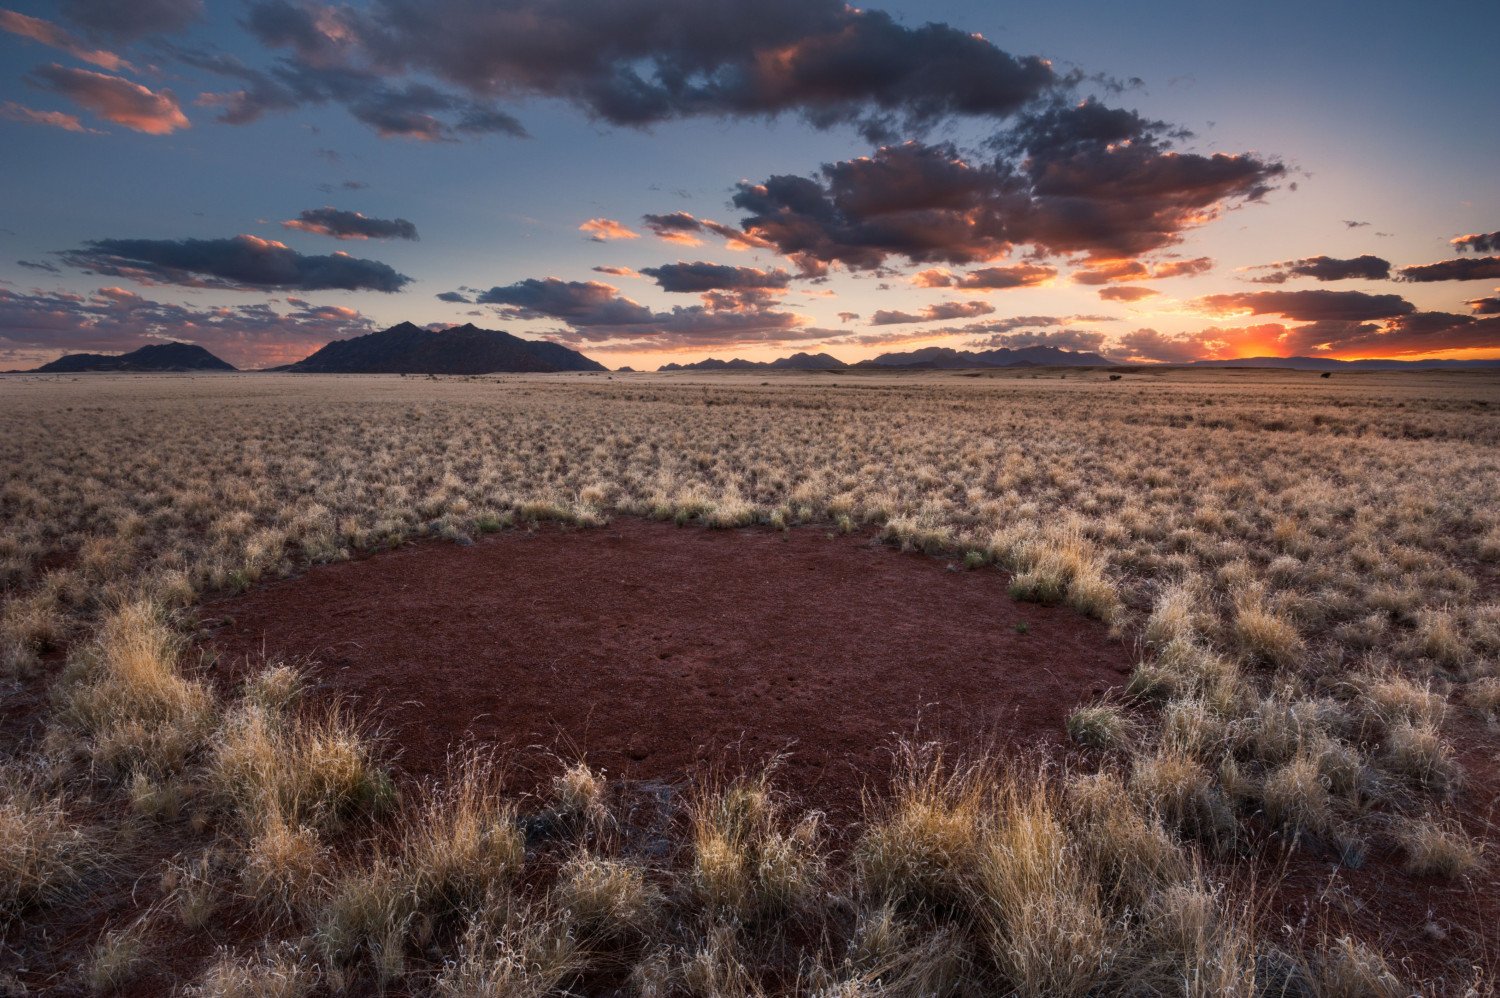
(649, 649)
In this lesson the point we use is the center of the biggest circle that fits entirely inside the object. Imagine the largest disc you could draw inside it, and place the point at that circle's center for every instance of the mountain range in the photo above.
(156, 357)
(466, 349)
(796, 362)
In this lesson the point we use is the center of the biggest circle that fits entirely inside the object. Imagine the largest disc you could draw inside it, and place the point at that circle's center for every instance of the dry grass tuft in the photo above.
(43, 855)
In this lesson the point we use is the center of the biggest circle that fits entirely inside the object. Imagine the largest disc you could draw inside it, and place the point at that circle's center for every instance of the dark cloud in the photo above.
(456, 297)
(114, 98)
(1327, 268)
(1479, 242)
(684, 228)
(1350, 223)
(243, 262)
(37, 327)
(941, 310)
(700, 277)
(579, 303)
(1483, 306)
(131, 19)
(41, 265)
(1477, 268)
(1150, 345)
(417, 111)
(1056, 186)
(640, 62)
(596, 313)
(1309, 306)
(1135, 293)
(327, 221)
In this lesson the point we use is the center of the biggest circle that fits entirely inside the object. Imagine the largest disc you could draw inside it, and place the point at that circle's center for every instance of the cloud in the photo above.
(1327, 268)
(328, 221)
(243, 262)
(416, 111)
(636, 63)
(1414, 333)
(1135, 293)
(597, 314)
(133, 19)
(615, 271)
(1350, 223)
(114, 98)
(54, 36)
(1081, 180)
(11, 111)
(1482, 242)
(38, 326)
(1479, 268)
(941, 310)
(41, 265)
(1310, 306)
(1483, 306)
(1107, 271)
(604, 229)
(1150, 345)
(1080, 340)
(1020, 275)
(456, 297)
(683, 228)
(699, 277)
(1182, 268)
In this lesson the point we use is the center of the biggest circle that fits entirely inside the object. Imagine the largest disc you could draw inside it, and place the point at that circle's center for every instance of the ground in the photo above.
(1244, 620)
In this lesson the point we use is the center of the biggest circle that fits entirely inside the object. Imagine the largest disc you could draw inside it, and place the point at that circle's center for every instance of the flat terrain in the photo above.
(652, 651)
(1262, 652)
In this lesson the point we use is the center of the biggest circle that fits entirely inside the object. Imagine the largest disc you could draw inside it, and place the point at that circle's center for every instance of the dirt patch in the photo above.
(651, 649)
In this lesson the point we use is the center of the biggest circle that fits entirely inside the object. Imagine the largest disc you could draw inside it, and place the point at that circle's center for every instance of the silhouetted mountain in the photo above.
(946, 358)
(796, 362)
(1329, 364)
(466, 349)
(809, 362)
(157, 357)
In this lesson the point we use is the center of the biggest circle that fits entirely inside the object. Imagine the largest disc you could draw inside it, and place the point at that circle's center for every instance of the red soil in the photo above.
(650, 650)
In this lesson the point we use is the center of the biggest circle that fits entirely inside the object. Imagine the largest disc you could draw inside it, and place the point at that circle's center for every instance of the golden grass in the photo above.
(1302, 570)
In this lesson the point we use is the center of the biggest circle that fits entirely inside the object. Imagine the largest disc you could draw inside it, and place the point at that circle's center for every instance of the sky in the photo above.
(667, 180)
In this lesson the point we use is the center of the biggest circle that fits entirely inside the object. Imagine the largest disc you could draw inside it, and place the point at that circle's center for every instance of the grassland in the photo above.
(1307, 567)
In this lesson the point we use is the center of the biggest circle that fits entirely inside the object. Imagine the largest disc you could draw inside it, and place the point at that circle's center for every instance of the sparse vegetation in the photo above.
(1310, 585)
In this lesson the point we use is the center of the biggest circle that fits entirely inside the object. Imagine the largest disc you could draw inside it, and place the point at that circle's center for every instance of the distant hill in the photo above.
(796, 362)
(947, 359)
(466, 349)
(157, 357)
(1329, 364)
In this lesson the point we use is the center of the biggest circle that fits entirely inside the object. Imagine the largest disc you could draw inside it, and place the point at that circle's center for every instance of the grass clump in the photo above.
(132, 701)
(43, 855)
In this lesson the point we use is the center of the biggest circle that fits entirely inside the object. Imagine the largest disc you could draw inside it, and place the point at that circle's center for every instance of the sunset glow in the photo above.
(1122, 191)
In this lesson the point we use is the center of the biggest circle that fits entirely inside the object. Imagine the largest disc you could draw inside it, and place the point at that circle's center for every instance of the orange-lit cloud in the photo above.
(1132, 293)
(54, 36)
(1111, 271)
(941, 310)
(1019, 275)
(12, 111)
(604, 229)
(115, 99)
